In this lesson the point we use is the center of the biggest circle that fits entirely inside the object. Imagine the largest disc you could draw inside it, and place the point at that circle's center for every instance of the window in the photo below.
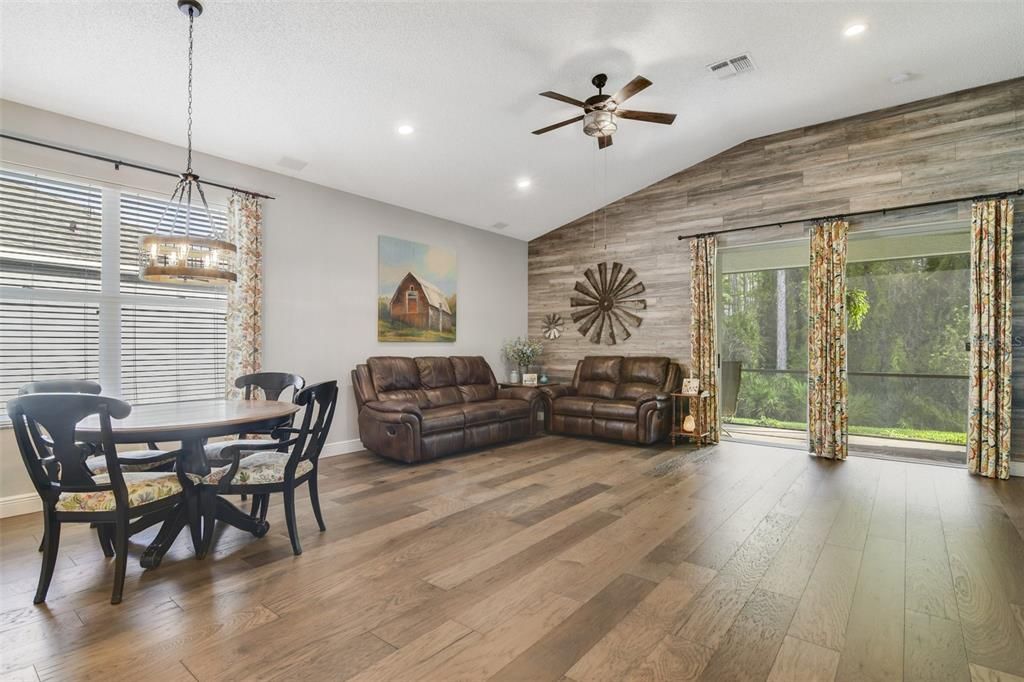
(63, 315)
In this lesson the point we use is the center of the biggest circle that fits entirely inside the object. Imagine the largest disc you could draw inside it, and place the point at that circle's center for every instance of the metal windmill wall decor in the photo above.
(552, 327)
(603, 308)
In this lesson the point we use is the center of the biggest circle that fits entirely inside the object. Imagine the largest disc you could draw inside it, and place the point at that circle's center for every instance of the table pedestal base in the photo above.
(200, 513)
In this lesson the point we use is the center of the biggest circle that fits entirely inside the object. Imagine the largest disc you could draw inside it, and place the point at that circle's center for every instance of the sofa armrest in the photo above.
(654, 396)
(526, 393)
(553, 392)
(393, 407)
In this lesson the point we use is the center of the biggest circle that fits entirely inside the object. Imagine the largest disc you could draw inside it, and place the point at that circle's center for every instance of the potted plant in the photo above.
(521, 352)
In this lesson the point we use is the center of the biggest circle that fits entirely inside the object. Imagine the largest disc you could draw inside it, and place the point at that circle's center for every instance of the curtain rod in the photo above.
(883, 211)
(118, 163)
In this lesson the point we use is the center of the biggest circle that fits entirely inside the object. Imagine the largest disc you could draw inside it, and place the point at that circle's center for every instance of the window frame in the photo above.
(109, 299)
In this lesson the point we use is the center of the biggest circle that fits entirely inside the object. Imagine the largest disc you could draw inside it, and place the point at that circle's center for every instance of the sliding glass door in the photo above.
(762, 335)
(907, 355)
(908, 284)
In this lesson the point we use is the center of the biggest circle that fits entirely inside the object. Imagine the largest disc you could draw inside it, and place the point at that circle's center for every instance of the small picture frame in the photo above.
(691, 385)
(529, 380)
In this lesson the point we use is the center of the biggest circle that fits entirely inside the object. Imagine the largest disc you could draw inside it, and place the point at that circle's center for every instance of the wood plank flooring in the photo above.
(559, 559)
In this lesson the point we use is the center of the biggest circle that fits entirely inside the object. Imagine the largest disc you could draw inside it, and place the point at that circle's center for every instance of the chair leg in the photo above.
(51, 540)
(120, 559)
(289, 517)
(254, 508)
(264, 506)
(42, 542)
(103, 534)
(314, 497)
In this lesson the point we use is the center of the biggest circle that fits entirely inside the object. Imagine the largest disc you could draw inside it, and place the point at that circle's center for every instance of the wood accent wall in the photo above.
(963, 143)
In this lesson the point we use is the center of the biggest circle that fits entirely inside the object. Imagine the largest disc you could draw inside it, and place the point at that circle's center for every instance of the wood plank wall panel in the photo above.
(950, 146)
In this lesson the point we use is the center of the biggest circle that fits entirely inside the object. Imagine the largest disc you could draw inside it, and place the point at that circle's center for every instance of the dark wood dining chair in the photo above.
(271, 385)
(131, 460)
(261, 469)
(73, 494)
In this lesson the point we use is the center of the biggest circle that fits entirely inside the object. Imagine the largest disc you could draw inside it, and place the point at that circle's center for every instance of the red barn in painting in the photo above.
(420, 304)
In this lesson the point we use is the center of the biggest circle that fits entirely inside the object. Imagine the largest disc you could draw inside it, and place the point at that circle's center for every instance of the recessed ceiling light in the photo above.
(854, 30)
(523, 183)
(406, 130)
(901, 77)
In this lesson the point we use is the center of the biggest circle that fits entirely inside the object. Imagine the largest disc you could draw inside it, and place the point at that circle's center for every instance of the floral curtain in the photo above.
(988, 424)
(703, 344)
(245, 296)
(826, 341)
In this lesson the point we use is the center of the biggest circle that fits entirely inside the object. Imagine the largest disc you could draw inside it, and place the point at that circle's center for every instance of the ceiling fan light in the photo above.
(599, 123)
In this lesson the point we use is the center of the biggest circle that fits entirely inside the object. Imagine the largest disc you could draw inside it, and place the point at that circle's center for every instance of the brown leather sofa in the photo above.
(418, 409)
(615, 397)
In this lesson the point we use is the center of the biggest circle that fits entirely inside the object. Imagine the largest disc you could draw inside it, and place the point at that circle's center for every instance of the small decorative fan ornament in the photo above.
(605, 303)
(552, 328)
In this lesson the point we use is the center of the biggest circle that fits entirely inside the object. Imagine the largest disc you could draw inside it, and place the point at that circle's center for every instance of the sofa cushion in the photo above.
(641, 375)
(445, 418)
(490, 411)
(397, 378)
(622, 410)
(474, 378)
(599, 376)
(437, 378)
(575, 406)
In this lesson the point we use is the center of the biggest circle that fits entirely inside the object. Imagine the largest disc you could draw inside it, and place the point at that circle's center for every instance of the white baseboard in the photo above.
(1017, 468)
(342, 447)
(16, 505)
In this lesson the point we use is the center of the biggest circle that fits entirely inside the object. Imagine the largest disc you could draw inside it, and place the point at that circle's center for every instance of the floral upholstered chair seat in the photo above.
(97, 464)
(143, 487)
(256, 468)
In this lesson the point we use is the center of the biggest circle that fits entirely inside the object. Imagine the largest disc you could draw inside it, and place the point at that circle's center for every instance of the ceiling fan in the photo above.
(601, 110)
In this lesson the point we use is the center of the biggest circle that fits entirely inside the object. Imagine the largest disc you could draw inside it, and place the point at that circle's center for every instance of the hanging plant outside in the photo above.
(857, 307)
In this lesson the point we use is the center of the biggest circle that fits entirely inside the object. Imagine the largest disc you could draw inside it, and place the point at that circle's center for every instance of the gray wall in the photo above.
(320, 261)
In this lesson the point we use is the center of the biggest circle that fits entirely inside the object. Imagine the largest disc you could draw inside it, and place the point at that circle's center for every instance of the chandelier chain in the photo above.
(191, 20)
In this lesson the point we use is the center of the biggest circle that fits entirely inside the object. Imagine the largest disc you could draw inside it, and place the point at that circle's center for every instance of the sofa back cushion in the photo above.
(474, 378)
(641, 375)
(598, 376)
(437, 377)
(396, 378)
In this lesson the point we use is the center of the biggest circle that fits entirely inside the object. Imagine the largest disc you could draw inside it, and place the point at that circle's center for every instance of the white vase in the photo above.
(513, 376)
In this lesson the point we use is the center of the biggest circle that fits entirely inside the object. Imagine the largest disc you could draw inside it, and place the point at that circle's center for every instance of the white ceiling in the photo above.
(328, 83)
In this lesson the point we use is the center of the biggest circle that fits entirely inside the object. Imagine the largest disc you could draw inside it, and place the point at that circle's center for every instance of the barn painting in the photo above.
(416, 291)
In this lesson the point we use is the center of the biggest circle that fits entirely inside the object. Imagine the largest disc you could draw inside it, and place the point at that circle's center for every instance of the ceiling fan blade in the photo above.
(631, 88)
(648, 116)
(605, 141)
(541, 131)
(562, 98)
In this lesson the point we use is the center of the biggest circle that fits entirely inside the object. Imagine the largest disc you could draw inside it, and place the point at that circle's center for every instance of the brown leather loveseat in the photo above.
(417, 409)
(615, 397)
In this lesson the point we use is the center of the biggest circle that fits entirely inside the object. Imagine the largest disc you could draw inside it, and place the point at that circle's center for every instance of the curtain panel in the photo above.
(703, 344)
(245, 296)
(988, 423)
(827, 387)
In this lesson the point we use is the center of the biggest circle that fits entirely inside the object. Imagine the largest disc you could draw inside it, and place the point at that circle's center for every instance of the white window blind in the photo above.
(46, 340)
(171, 354)
(62, 317)
(49, 233)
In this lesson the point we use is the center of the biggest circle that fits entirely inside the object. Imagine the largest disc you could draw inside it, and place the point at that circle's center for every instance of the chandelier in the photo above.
(173, 254)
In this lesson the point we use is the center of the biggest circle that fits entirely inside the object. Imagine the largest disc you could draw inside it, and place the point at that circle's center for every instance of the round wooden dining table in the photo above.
(192, 423)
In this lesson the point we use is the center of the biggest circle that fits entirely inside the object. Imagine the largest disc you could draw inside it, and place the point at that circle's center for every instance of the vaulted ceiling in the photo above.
(279, 84)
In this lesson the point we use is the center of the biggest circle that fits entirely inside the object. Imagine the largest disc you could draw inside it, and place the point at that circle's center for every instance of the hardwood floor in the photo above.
(564, 560)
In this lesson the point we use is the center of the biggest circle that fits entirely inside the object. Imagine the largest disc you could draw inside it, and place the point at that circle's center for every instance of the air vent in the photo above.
(732, 67)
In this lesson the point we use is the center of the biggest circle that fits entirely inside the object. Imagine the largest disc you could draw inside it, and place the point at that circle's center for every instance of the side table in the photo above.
(696, 405)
